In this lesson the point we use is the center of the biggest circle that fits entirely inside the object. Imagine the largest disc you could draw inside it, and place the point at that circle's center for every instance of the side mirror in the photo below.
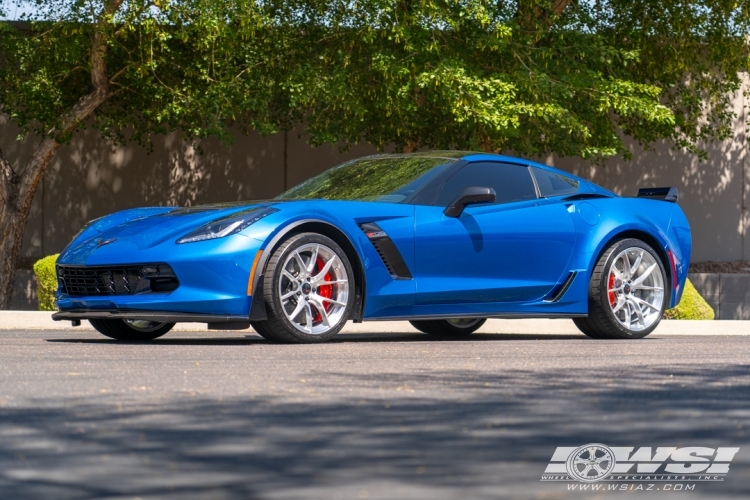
(469, 196)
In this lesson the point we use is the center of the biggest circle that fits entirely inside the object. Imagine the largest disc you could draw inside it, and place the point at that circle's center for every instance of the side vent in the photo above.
(558, 292)
(387, 251)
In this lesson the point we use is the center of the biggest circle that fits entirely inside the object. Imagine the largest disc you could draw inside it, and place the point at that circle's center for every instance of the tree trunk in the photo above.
(17, 189)
(16, 194)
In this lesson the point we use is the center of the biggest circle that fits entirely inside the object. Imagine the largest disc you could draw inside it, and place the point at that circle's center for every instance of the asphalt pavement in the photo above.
(373, 414)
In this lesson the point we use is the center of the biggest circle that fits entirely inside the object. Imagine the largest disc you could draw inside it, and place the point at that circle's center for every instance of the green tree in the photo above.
(532, 76)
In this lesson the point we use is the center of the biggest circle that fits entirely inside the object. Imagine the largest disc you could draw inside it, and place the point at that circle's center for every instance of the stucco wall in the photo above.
(90, 178)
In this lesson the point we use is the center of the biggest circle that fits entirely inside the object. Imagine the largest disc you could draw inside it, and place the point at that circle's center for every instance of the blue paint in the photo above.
(495, 259)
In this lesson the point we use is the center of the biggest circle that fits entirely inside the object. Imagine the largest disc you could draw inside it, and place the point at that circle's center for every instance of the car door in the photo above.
(516, 249)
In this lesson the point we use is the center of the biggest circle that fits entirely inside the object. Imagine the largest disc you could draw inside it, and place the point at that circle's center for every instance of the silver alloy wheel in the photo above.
(464, 322)
(143, 325)
(314, 288)
(635, 289)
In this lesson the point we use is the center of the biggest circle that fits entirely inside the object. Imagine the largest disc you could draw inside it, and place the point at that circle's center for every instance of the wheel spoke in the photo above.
(308, 315)
(637, 263)
(321, 310)
(313, 260)
(641, 301)
(300, 262)
(620, 303)
(645, 275)
(628, 314)
(321, 273)
(297, 310)
(290, 294)
(644, 287)
(337, 282)
(320, 298)
(626, 265)
(638, 311)
(289, 276)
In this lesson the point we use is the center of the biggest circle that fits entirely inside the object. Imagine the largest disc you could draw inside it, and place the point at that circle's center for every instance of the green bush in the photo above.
(692, 306)
(46, 280)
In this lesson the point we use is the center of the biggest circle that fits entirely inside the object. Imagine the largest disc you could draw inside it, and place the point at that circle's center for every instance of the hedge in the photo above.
(46, 279)
(692, 306)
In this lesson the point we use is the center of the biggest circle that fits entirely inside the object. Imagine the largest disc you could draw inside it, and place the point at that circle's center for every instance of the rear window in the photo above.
(554, 184)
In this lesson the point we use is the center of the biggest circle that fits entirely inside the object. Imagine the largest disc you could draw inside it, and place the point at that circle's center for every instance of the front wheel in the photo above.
(133, 330)
(627, 292)
(308, 291)
(455, 327)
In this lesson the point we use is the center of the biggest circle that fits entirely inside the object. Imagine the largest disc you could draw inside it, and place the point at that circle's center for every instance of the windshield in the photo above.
(388, 179)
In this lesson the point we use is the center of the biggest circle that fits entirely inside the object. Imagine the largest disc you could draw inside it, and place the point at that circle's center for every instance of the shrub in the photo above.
(692, 306)
(46, 280)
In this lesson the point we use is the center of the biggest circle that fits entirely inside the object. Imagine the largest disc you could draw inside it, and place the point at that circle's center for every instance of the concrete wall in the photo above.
(91, 177)
(727, 294)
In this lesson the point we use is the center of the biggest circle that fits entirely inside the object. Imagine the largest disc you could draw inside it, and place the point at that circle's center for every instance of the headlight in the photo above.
(228, 225)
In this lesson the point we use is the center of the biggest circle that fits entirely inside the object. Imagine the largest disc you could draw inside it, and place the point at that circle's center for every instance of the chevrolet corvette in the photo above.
(441, 239)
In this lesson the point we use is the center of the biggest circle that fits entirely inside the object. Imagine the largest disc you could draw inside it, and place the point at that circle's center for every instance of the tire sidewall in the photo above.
(603, 300)
(465, 330)
(119, 329)
(286, 249)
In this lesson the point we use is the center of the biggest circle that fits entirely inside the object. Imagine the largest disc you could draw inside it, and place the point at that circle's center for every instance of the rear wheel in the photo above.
(455, 327)
(627, 293)
(133, 330)
(307, 290)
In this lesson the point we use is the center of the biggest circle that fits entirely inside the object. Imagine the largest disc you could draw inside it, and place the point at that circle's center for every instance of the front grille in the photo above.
(88, 281)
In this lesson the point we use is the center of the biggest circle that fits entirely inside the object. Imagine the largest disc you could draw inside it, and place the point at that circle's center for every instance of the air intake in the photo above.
(389, 254)
(93, 281)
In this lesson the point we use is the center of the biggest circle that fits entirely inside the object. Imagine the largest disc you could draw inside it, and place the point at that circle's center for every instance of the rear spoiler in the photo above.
(665, 193)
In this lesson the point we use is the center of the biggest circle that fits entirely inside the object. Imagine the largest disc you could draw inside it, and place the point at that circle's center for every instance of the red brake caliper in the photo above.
(610, 286)
(323, 290)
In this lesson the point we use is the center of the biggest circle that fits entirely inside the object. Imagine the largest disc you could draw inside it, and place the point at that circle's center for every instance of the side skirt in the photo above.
(480, 315)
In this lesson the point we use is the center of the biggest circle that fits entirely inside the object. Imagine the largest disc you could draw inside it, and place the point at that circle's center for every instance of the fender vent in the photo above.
(558, 292)
(389, 254)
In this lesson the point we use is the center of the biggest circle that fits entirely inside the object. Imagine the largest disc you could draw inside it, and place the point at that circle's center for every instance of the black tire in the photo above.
(449, 328)
(279, 327)
(120, 329)
(601, 322)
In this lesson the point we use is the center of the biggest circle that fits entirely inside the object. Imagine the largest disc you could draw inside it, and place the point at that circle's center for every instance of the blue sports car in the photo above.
(443, 239)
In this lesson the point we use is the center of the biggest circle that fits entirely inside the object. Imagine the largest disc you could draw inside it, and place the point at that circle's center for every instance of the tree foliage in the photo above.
(534, 76)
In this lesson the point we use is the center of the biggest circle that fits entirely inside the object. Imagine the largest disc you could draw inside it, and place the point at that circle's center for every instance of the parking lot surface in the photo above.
(387, 415)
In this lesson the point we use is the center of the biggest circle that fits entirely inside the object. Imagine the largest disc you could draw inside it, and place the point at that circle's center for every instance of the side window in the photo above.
(510, 182)
(552, 184)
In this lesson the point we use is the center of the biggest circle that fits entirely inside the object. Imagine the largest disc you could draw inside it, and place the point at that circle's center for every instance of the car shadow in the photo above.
(345, 338)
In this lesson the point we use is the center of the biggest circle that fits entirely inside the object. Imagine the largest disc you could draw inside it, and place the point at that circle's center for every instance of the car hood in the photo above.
(143, 228)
